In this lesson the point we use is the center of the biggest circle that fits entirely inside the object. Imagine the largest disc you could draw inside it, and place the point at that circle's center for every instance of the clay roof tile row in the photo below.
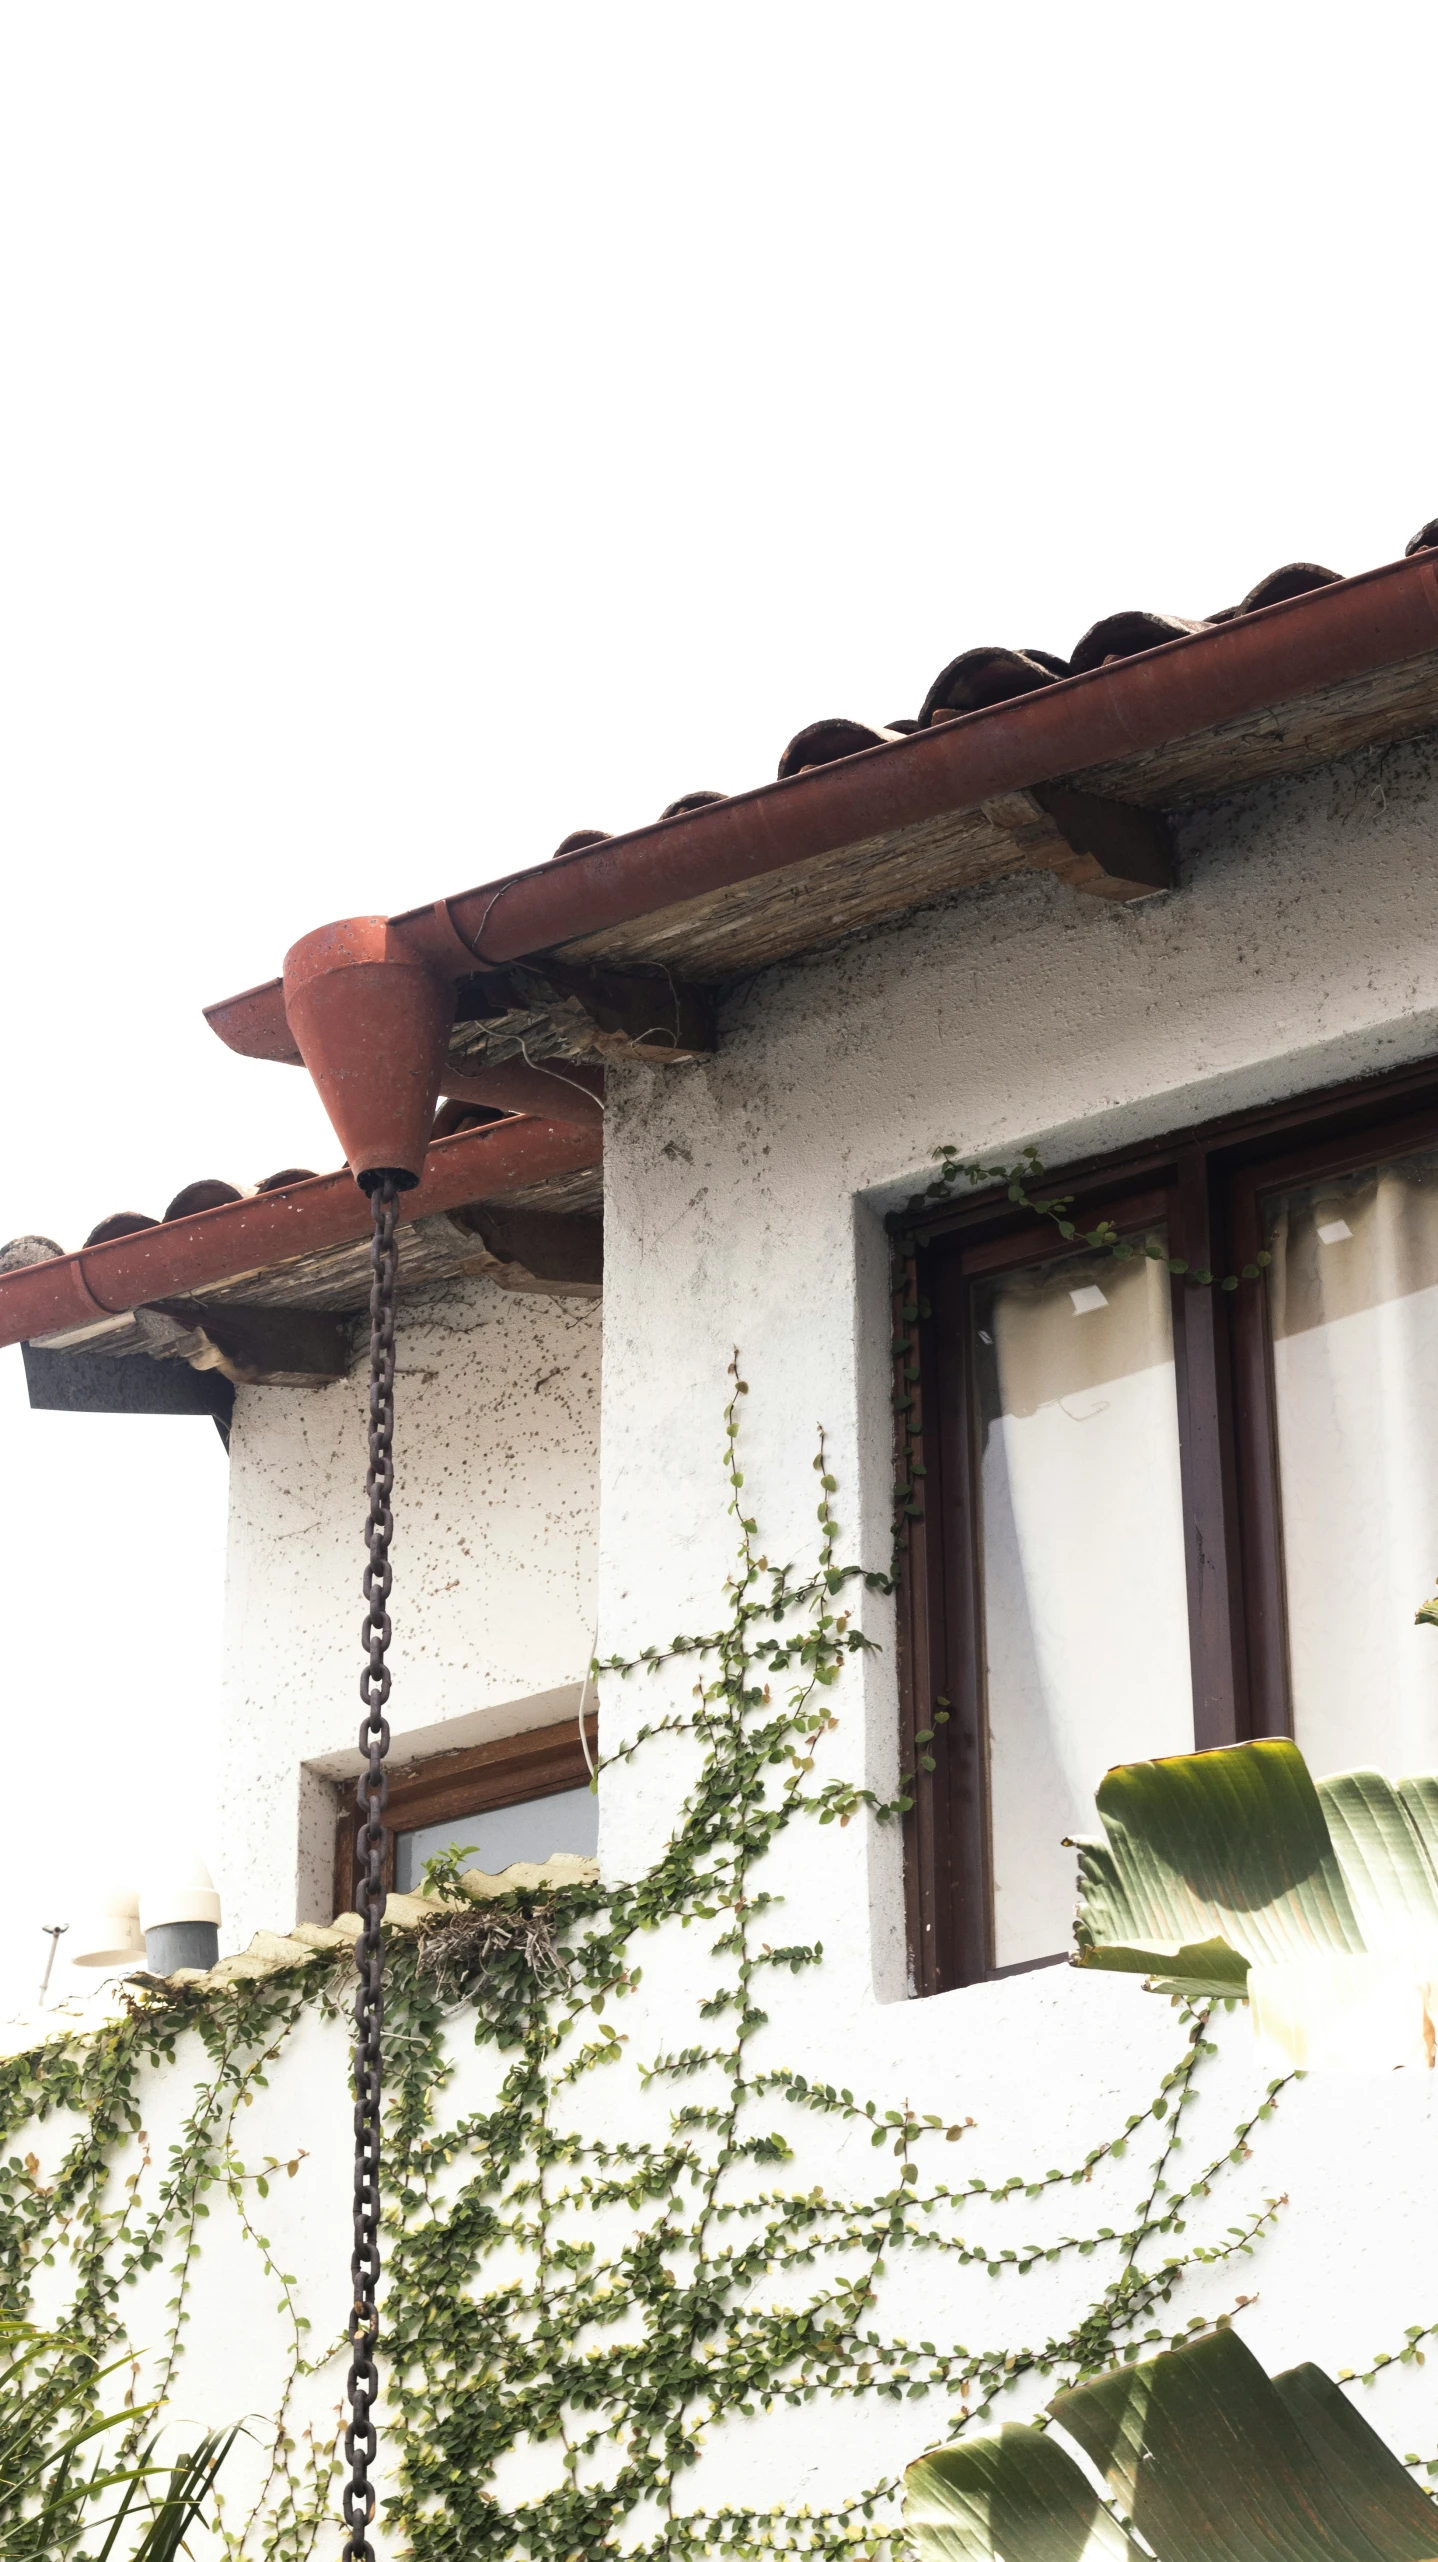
(981, 677)
(975, 680)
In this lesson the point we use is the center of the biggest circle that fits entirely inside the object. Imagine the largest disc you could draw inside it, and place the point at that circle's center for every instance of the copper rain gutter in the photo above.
(1221, 674)
(183, 1256)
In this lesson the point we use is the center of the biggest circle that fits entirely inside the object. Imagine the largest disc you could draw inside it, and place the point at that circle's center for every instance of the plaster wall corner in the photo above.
(497, 1398)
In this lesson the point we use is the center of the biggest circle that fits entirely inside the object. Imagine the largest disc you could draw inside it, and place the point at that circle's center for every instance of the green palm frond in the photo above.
(1204, 2458)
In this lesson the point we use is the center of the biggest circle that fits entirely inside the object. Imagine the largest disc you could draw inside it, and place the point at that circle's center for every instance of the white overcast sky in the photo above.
(428, 429)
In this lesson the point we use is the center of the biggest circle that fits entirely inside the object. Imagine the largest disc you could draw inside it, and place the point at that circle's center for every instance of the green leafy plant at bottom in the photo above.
(441, 1874)
(1206, 2459)
(57, 2486)
(1234, 1873)
(549, 2286)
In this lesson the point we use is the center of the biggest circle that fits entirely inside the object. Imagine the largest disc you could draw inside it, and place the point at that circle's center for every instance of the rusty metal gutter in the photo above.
(1224, 673)
(182, 1257)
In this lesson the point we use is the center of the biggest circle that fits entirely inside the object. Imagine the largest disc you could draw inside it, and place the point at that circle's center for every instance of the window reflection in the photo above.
(536, 1829)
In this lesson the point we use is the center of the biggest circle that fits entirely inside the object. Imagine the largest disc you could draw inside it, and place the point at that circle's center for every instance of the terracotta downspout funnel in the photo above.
(371, 1021)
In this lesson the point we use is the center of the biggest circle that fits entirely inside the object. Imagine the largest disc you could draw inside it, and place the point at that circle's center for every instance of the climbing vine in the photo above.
(109, 2232)
(614, 2250)
(1015, 1182)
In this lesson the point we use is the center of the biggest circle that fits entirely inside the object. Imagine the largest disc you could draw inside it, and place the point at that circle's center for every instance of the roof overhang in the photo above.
(268, 1247)
(782, 870)
(614, 950)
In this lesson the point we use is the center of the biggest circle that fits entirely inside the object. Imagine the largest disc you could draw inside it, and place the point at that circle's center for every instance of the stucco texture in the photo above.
(744, 1202)
(497, 1401)
(745, 1192)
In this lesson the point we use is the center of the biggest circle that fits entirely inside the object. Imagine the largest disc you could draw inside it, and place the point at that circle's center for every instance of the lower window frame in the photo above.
(476, 1779)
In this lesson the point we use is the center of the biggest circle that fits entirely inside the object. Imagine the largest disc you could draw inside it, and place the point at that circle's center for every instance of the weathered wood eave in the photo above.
(779, 915)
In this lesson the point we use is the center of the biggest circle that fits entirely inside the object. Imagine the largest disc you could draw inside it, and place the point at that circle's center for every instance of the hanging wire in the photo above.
(370, 1847)
(546, 1067)
(583, 1701)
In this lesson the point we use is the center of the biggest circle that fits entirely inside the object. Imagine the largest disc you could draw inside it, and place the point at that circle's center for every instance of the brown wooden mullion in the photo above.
(920, 1613)
(1202, 1365)
(963, 1930)
(1265, 1613)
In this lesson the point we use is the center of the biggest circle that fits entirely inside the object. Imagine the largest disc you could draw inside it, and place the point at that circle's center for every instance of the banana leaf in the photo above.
(1206, 2459)
(1385, 1840)
(1219, 1863)
(1361, 2474)
(1012, 2498)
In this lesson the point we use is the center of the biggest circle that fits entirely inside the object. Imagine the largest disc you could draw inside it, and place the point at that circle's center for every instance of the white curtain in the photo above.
(1354, 1299)
(1085, 1596)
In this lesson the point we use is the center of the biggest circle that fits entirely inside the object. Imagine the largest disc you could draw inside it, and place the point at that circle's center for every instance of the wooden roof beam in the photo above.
(1109, 848)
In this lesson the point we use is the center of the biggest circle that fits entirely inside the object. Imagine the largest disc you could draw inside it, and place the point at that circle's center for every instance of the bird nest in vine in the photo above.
(458, 1949)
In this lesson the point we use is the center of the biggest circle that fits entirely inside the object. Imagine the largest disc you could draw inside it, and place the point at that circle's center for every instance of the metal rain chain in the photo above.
(370, 1847)
(371, 1019)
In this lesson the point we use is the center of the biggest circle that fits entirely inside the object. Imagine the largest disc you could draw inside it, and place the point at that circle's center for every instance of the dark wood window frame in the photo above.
(472, 1781)
(1206, 1186)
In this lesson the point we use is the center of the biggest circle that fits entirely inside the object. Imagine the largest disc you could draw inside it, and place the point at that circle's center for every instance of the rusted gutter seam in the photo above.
(181, 1258)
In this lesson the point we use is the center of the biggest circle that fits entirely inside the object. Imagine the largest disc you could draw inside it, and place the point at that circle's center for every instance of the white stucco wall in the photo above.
(745, 1193)
(496, 1483)
(1047, 2066)
(744, 1201)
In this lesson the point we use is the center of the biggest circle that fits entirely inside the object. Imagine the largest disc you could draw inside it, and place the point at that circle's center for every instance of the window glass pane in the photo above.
(534, 1830)
(1353, 1295)
(1084, 1584)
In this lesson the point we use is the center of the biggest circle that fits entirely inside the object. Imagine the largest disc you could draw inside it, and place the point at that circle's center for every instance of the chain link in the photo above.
(370, 1845)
